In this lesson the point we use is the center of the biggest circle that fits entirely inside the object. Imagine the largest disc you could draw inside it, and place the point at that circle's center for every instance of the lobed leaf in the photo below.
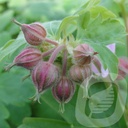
(108, 59)
(43, 123)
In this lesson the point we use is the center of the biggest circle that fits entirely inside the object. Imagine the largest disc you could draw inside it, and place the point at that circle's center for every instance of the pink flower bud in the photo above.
(83, 54)
(44, 75)
(28, 58)
(78, 73)
(63, 91)
(34, 33)
(123, 67)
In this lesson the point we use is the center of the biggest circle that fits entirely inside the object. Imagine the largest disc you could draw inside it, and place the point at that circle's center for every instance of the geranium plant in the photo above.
(63, 56)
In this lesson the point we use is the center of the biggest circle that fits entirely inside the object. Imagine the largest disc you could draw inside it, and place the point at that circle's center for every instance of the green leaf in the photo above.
(4, 37)
(43, 123)
(52, 28)
(4, 113)
(39, 110)
(4, 124)
(87, 6)
(111, 6)
(69, 114)
(67, 26)
(107, 58)
(11, 46)
(83, 20)
(5, 19)
(106, 32)
(20, 110)
(103, 12)
(14, 91)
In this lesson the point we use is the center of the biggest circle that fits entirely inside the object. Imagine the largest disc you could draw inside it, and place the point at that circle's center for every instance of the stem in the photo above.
(54, 54)
(16, 22)
(51, 41)
(124, 14)
(44, 54)
(9, 67)
(64, 62)
(61, 107)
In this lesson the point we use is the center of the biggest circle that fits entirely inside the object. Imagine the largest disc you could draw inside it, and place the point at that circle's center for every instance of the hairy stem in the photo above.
(55, 53)
(16, 22)
(64, 62)
(44, 54)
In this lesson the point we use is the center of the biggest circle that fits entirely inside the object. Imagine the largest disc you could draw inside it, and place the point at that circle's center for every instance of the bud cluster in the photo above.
(46, 74)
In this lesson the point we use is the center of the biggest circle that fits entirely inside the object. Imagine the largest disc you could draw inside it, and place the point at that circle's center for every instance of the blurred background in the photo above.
(15, 93)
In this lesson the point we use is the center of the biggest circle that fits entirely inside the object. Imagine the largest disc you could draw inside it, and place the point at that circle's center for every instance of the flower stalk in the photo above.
(64, 67)
(55, 53)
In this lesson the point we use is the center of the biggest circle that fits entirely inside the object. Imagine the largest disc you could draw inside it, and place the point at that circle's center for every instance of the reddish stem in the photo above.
(54, 54)
(64, 62)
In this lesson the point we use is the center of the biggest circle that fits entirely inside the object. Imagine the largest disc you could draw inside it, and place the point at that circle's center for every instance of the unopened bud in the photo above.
(28, 58)
(78, 73)
(44, 75)
(34, 33)
(83, 54)
(123, 68)
(63, 91)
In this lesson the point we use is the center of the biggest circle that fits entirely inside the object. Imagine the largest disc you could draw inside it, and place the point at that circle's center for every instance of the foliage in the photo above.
(96, 22)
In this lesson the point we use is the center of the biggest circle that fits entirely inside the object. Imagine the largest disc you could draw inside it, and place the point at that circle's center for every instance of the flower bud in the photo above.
(123, 68)
(63, 91)
(83, 54)
(44, 75)
(28, 58)
(34, 33)
(78, 72)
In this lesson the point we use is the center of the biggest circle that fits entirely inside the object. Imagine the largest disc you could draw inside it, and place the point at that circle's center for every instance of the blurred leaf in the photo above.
(5, 19)
(4, 113)
(87, 6)
(17, 113)
(43, 10)
(52, 27)
(3, 1)
(43, 123)
(106, 32)
(14, 91)
(11, 46)
(69, 114)
(4, 37)
(4, 124)
(83, 20)
(13, 3)
(44, 111)
(111, 5)
(103, 12)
